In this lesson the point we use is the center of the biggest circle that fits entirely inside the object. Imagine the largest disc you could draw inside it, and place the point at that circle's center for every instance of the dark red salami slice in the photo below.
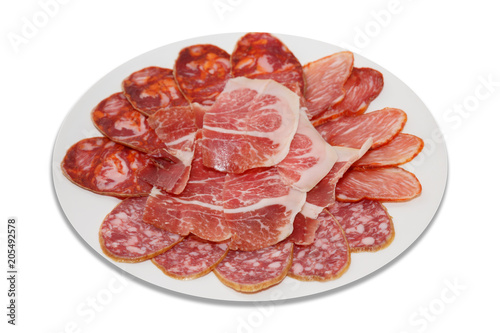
(362, 87)
(252, 271)
(402, 149)
(367, 224)
(263, 56)
(201, 72)
(125, 238)
(327, 258)
(383, 184)
(105, 167)
(118, 120)
(304, 230)
(190, 259)
(153, 88)
(382, 126)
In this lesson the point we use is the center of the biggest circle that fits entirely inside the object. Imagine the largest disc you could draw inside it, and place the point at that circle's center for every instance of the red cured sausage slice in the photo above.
(263, 56)
(367, 224)
(151, 89)
(252, 271)
(201, 72)
(327, 258)
(105, 167)
(402, 149)
(382, 126)
(125, 238)
(384, 184)
(325, 80)
(118, 120)
(304, 230)
(362, 87)
(190, 259)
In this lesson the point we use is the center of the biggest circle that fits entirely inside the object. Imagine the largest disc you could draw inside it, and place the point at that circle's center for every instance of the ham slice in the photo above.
(304, 230)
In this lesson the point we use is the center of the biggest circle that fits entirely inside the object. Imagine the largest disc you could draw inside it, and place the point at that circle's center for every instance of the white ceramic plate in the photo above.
(86, 210)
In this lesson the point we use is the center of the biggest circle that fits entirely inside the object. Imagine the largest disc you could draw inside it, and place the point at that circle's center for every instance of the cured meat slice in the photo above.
(251, 125)
(171, 177)
(190, 259)
(118, 120)
(263, 56)
(252, 271)
(402, 149)
(384, 184)
(151, 89)
(362, 87)
(201, 72)
(367, 224)
(259, 208)
(325, 79)
(198, 209)
(382, 126)
(304, 229)
(125, 238)
(105, 167)
(310, 158)
(325, 259)
(323, 194)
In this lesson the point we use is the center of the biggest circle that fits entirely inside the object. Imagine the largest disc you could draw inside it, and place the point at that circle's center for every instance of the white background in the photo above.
(446, 52)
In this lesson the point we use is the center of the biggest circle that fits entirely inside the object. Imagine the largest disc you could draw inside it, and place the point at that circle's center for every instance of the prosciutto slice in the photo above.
(251, 125)
(304, 230)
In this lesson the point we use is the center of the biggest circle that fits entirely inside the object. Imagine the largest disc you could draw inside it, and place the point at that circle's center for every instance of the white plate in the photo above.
(86, 210)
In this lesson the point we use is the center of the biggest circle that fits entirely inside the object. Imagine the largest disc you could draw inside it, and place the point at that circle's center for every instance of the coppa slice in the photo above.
(252, 271)
(383, 184)
(201, 72)
(259, 208)
(325, 79)
(191, 258)
(382, 126)
(327, 258)
(263, 56)
(362, 87)
(367, 224)
(151, 89)
(125, 238)
(402, 149)
(105, 167)
(251, 125)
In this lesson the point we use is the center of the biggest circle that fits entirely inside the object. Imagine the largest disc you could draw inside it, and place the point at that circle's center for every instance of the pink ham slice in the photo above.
(325, 259)
(251, 125)
(125, 238)
(402, 149)
(383, 184)
(259, 208)
(151, 89)
(362, 87)
(253, 271)
(382, 126)
(198, 209)
(190, 259)
(105, 167)
(304, 230)
(263, 56)
(325, 79)
(367, 224)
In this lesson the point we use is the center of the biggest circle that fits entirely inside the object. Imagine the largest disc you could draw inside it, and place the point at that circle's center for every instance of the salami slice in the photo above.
(125, 238)
(327, 258)
(190, 259)
(263, 56)
(402, 149)
(105, 167)
(382, 126)
(252, 271)
(367, 224)
(201, 72)
(151, 89)
(304, 230)
(362, 87)
(383, 184)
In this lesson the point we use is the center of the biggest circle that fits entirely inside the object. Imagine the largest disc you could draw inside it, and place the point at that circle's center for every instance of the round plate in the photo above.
(86, 210)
